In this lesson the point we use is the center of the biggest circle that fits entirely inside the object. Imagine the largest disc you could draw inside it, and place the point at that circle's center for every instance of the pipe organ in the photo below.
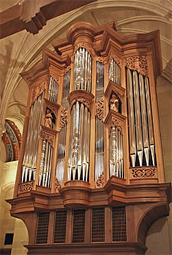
(142, 146)
(91, 150)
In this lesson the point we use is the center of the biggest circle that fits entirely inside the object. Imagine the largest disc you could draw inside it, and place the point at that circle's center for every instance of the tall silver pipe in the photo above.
(150, 122)
(144, 119)
(138, 119)
(131, 120)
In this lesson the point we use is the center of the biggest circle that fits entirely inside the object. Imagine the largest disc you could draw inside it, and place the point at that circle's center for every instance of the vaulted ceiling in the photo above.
(21, 50)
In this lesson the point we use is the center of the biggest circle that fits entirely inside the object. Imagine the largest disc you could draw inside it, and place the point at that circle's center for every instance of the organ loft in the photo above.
(90, 176)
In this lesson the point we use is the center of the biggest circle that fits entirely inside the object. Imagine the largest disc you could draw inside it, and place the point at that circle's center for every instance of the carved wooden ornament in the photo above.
(100, 181)
(137, 63)
(81, 96)
(146, 172)
(63, 117)
(100, 109)
(37, 90)
(27, 186)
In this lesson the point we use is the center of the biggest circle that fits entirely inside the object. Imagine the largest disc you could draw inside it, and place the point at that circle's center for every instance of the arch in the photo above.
(32, 53)
(149, 217)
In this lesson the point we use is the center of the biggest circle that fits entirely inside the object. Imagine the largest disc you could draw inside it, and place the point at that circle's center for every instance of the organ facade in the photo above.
(90, 174)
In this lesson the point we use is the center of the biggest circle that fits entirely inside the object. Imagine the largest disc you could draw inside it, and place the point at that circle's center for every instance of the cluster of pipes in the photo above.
(79, 145)
(142, 145)
(53, 90)
(61, 154)
(32, 140)
(116, 153)
(45, 165)
(114, 72)
(82, 70)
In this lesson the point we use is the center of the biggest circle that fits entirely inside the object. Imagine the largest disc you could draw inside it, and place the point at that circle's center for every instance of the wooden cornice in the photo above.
(33, 15)
(114, 193)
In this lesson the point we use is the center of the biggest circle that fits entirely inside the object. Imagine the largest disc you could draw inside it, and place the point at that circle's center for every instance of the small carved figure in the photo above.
(114, 103)
(48, 119)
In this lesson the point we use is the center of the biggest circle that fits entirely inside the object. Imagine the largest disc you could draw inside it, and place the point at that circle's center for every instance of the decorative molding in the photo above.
(52, 106)
(100, 108)
(63, 117)
(100, 182)
(144, 172)
(27, 186)
(49, 135)
(57, 185)
(137, 63)
(117, 89)
(86, 46)
(37, 90)
(81, 96)
(115, 119)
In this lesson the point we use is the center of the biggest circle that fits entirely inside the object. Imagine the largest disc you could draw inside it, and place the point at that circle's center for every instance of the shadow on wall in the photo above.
(157, 240)
(4, 63)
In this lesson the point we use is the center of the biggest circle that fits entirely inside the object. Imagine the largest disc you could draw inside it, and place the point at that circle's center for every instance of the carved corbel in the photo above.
(137, 63)
(37, 90)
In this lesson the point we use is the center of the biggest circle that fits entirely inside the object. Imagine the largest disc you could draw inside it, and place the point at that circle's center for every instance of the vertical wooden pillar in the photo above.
(155, 116)
(125, 134)
(106, 133)
(51, 225)
(69, 227)
(93, 128)
(108, 225)
(88, 226)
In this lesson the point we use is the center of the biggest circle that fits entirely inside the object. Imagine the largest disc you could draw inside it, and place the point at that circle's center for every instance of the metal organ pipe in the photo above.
(78, 160)
(53, 90)
(114, 72)
(140, 120)
(32, 140)
(82, 70)
(131, 119)
(116, 153)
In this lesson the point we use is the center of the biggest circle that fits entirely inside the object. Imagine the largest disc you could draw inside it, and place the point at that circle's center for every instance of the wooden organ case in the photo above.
(90, 174)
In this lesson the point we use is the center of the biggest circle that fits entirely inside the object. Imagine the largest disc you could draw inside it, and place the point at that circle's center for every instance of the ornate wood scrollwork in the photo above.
(49, 135)
(146, 172)
(100, 108)
(82, 96)
(100, 181)
(57, 185)
(63, 117)
(137, 63)
(115, 118)
(37, 90)
(27, 186)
